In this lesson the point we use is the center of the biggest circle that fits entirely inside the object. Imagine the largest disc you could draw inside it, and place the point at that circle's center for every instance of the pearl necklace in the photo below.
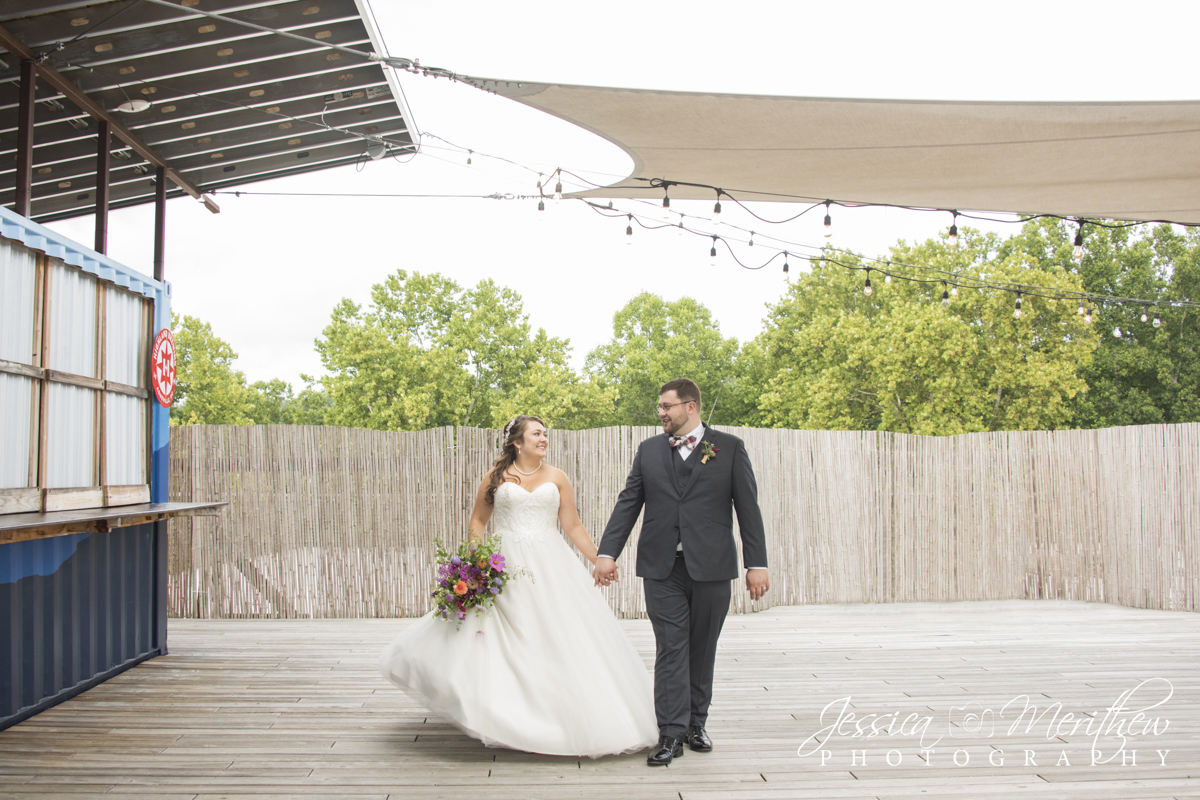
(523, 472)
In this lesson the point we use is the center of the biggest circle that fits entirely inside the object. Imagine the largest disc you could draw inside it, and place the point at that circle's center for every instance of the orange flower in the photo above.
(460, 587)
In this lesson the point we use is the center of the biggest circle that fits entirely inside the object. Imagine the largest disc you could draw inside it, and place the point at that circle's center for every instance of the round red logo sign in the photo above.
(162, 367)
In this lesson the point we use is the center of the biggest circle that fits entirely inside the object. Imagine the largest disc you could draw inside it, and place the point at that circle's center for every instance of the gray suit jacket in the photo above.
(699, 514)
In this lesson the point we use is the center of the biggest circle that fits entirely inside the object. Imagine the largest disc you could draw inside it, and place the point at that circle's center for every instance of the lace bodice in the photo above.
(523, 516)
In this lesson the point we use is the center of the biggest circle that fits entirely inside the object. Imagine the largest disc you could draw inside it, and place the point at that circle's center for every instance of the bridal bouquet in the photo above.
(470, 578)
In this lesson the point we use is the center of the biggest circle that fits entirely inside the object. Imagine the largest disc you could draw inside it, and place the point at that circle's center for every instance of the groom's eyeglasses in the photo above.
(664, 407)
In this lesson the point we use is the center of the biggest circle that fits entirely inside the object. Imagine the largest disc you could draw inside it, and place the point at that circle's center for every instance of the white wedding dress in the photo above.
(553, 671)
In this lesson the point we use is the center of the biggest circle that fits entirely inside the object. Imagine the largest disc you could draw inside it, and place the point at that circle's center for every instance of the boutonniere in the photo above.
(707, 451)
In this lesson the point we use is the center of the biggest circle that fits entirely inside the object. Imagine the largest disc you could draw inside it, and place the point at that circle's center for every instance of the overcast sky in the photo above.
(267, 271)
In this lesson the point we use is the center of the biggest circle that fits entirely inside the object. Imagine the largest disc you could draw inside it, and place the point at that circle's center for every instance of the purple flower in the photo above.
(455, 560)
(494, 590)
(479, 633)
(496, 562)
(446, 584)
(498, 581)
(461, 615)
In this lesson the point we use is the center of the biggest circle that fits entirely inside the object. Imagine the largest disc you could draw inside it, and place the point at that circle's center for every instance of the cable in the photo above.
(42, 56)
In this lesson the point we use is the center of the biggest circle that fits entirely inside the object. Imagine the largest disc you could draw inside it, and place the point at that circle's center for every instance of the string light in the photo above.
(1117, 332)
(786, 277)
(1077, 253)
(828, 221)
(717, 207)
(945, 296)
(751, 238)
(954, 232)
(541, 205)
(712, 254)
(867, 290)
(558, 186)
(469, 154)
(1145, 317)
(954, 290)
(1017, 310)
(679, 227)
(1080, 311)
(887, 276)
(629, 231)
(1157, 319)
(1088, 317)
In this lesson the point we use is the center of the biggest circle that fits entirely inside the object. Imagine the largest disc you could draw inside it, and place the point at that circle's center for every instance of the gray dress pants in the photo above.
(687, 616)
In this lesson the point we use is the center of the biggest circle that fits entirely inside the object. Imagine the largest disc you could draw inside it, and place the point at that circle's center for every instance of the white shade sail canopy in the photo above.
(1124, 161)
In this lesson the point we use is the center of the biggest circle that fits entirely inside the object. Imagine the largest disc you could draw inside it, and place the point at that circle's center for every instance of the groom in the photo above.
(690, 480)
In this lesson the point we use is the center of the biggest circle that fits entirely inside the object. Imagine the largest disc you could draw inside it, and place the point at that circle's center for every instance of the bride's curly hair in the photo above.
(514, 431)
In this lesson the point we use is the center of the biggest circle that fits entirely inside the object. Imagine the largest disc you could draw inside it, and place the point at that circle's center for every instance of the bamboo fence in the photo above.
(339, 522)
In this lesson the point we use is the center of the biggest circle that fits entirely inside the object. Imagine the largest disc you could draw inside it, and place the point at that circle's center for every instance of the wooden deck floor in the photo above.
(295, 709)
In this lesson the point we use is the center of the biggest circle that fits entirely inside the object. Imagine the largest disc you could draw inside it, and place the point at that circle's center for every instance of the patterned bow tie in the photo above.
(679, 441)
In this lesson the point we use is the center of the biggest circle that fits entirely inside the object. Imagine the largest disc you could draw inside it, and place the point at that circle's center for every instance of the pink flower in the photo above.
(496, 562)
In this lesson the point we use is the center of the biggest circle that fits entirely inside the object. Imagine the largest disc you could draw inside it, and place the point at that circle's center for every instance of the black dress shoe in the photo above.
(697, 739)
(668, 747)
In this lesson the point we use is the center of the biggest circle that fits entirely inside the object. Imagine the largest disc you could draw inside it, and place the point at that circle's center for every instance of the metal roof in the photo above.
(230, 105)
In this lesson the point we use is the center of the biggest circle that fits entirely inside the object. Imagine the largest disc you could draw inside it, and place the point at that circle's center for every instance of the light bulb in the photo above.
(666, 213)
(828, 221)
(679, 227)
(954, 290)
(867, 290)
(1080, 311)
(887, 278)
(629, 231)
(1117, 332)
(1145, 317)
(1088, 317)
(558, 191)
(786, 277)
(712, 254)
(1077, 252)
(752, 238)
(1157, 320)
(469, 154)
(717, 207)
(953, 238)
(1017, 310)
(945, 296)
(541, 205)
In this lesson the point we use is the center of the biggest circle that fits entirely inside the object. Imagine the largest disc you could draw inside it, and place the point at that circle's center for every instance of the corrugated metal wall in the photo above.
(16, 406)
(75, 610)
(125, 439)
(70, 424)
(18, 272)
(126, 326)
(125, 337)
(70, 437)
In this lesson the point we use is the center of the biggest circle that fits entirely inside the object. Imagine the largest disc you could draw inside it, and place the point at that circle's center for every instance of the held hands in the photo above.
(605, 572)
(758, 581)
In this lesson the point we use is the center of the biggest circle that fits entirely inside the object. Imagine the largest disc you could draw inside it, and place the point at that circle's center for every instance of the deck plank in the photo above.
(294, 708)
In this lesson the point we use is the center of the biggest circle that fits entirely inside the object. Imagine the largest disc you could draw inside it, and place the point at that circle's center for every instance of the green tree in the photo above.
(427, 353)
(560, 397)
(654, 341)
(1145, 375)
(208, 390)
(836, 358)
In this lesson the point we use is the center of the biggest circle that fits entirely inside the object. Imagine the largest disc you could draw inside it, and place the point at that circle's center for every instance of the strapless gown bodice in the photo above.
(548, 668)
(523, 516)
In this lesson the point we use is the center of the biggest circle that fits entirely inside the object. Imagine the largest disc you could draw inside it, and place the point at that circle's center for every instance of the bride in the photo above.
(547, 669)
